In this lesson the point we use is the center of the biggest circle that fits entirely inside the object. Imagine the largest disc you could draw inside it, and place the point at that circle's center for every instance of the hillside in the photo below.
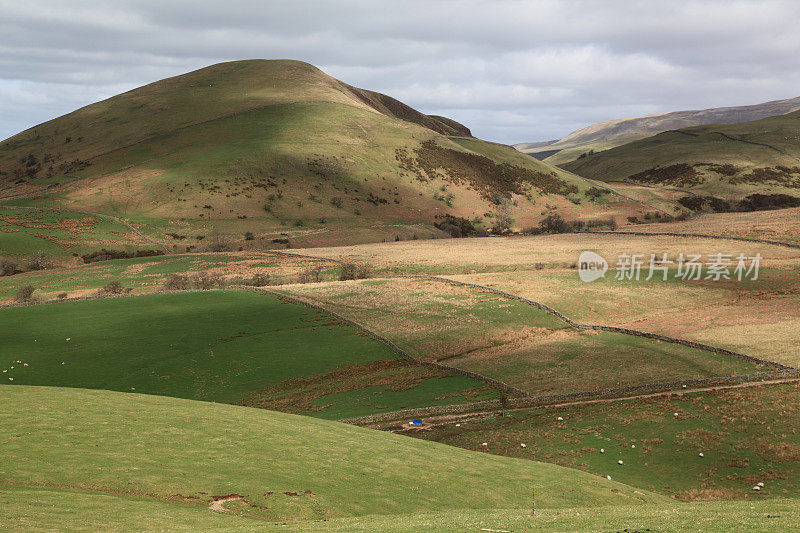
(727, 161)
(282, 151)
(277, 465)
(611, 133)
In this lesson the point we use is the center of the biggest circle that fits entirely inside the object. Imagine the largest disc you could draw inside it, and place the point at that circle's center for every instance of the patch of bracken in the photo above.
(786, 176)
(679, 174)
(489, 178)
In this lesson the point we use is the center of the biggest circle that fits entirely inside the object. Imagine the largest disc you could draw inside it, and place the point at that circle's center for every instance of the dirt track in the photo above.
(434, 421)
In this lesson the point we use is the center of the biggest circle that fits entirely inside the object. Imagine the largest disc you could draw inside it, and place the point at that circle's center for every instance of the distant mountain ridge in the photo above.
(612, 133)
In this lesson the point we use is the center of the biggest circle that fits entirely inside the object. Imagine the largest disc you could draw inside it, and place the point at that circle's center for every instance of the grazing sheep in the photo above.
(458, 425)
(560, 419)
(484, 444)
(619, 462)
(760, 483)
(633, 446)
(756, 488)
(523, 445)
(701, 454)
(69, 339)
(608, 478)
(602, 450)
(10, 379)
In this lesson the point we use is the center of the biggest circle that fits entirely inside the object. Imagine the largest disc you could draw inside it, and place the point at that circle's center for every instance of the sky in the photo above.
(512, 71)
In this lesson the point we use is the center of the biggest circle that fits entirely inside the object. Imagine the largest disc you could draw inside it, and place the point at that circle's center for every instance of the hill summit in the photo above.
(282, 152)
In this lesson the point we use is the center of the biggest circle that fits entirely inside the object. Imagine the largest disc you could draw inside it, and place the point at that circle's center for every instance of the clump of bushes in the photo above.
(202, 280)
(107, 255)
(310, 275)
(8, 267)
(40, 261)
(114, 287)
(25, 293)
(455, 226)
(350, 271)
(554, 223)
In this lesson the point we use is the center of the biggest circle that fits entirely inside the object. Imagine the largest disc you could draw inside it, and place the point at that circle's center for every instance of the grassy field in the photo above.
(51, 508)
(745, 436)
(24, 232)
(779, 225)
(285, 467)
(229, 346)
(508, 340)
(148, 274)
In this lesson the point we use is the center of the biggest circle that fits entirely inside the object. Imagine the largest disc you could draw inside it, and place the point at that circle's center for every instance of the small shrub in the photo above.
(61, 295)
(260, 280)
(248, 236)
(553, 223)
(502, 224)
(25, 293)
(8, 267)
(40, 261)
(310, 275)
(113, 287)
(351, 271)
(177, 282)
(205, 281)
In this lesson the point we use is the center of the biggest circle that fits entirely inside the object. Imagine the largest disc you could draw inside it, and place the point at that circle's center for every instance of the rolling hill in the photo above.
(728, 161)
(285, 153)
(605, 135)
(270, 466)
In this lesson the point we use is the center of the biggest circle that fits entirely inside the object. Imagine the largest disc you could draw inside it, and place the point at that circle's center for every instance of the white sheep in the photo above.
(619, 462)
(760, 483)
(484, 444)
(602, 450)
(560, 419)
(522, 444)
(458, 425)
(608, 478)
(701, 454)
(756, 488)
(633, 446)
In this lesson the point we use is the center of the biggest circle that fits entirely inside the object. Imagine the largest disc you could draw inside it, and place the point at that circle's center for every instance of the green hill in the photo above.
(239, 347)
(729, 161)
(281, 150)
(282, 466)
(611, 133)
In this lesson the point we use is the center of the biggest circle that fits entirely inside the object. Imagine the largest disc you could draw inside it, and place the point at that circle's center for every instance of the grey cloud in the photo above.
(511, 70)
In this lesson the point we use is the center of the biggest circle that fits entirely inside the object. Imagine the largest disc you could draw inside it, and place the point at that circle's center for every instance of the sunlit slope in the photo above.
(172, 449)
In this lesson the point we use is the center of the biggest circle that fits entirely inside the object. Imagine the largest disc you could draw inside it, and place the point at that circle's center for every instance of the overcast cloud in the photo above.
(512, 71)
